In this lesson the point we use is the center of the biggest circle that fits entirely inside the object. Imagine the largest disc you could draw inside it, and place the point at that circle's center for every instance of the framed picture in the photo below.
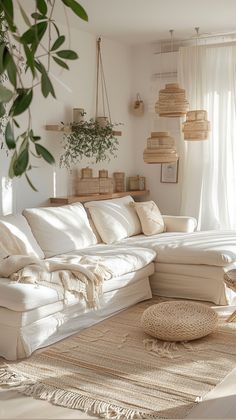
(169, 172)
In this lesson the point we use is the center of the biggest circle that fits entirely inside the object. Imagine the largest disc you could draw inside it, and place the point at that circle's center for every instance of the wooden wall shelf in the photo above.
(91, 197)
(67, 129)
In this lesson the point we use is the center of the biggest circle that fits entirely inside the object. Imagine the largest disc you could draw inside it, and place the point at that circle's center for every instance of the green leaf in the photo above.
(2, 49)
(11, 172)
(12, 71)
(46, 85)
(56, 28)
(46, 155)
(37, 16)
(7, 7)
(76, 8)
(29, 59)
(22, 102)
(42, 6)
(5, 94)
(36, 138)
(21, 163)
(61, 63)
(59, 41)
(30, 183)
(67, 54)
(9, 137)
(24, 15)
(15, 123)
(2, 110)
(34, 34)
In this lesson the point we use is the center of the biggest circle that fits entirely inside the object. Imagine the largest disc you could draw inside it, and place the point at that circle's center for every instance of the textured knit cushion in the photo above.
(16, 237)
(179, 320)
(114, 219)
(62, 229)
(150, 217)
(230, 276)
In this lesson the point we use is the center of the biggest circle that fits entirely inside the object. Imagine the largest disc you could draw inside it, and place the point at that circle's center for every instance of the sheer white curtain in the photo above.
(209, 176)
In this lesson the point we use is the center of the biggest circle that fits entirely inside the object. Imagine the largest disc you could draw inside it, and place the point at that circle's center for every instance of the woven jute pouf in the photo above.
(179, 320)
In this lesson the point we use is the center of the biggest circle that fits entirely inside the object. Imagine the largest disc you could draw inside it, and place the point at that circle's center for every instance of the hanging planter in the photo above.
(196, 126)
(172, 101)
(160, 148)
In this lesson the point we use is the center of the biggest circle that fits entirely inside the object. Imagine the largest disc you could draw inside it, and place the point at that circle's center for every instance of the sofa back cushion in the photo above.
(62, 229)
(16, 237)
(114, 219)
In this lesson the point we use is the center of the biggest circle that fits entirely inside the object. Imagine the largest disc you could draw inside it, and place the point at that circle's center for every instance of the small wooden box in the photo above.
(103, 173)
(86, 173)
(119, 178)
(87, 186)
(137, 183)
(105, 185)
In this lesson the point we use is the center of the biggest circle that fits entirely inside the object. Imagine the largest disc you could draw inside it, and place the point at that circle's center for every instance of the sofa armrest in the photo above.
(180, 223)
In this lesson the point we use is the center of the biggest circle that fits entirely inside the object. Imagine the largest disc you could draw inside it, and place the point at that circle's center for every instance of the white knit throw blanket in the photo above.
(80, 275)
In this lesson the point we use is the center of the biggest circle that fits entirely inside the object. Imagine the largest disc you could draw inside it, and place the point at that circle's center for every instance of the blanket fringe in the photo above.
(68, 399)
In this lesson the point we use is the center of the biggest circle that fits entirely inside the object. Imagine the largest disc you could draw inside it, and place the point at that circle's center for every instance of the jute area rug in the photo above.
(106, 370)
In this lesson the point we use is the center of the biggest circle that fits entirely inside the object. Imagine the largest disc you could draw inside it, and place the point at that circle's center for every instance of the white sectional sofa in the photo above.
(180, 263)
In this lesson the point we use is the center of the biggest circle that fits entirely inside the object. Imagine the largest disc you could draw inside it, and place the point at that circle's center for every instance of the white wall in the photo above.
(74, 88)
(145, 64)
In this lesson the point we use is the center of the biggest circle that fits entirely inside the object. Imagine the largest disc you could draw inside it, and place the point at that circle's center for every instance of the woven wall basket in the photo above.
(172, 101)
(196, 127)
(160, 148)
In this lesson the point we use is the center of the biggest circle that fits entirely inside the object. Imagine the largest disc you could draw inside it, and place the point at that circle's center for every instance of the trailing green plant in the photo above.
(31, 52)
(88, 139)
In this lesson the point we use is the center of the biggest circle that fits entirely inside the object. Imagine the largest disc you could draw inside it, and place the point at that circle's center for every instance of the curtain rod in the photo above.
(178, 42)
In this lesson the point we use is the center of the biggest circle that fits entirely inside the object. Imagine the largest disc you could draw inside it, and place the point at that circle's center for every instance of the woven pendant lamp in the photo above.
(196, 127)
(160, 148)
(172, 100)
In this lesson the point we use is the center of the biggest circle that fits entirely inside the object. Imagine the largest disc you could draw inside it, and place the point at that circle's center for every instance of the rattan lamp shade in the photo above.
(172, 101)
(160, 148)
(196, 127)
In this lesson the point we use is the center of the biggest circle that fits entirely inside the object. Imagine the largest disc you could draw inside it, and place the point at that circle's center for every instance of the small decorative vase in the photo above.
(78, 115)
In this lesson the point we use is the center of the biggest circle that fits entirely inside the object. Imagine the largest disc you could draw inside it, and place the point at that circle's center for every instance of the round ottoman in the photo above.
(179, 320)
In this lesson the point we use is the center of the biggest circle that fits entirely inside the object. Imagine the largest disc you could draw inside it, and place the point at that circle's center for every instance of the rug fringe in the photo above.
(12, 379)
(67, 399)
(165, 348)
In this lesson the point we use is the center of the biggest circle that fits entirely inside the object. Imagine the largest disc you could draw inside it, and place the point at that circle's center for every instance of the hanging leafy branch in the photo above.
(29, 52)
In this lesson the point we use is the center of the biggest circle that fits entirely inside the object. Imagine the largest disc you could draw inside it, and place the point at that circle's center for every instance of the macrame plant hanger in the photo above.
(101, 87)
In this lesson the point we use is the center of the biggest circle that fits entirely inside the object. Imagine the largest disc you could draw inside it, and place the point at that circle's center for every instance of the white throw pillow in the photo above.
(16, 237)
(62, 229)
(114, 219)
(150, 217)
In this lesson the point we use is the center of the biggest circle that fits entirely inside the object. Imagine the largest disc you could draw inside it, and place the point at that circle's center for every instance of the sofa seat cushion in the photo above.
(123, 260)
(60, 229)
(216, 248)
(41, 307)
(114, 219)
(16, 237)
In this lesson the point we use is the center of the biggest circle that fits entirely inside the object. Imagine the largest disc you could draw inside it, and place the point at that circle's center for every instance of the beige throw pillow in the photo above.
(150, 217)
